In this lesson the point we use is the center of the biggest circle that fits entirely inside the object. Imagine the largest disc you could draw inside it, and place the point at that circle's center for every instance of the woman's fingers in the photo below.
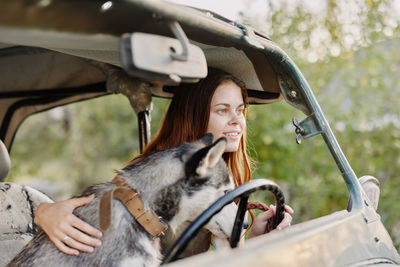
(64, 248)
(264, 218)
(67, 232)
(85, 227)
(260, 223)
(84, 233)
(288, 209)
(72, 241)
(287, 219)
(81, 235)
(286, 222)
(80, 201)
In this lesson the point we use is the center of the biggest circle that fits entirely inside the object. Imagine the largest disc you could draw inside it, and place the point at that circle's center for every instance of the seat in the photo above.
(17, 206)
(371, 187)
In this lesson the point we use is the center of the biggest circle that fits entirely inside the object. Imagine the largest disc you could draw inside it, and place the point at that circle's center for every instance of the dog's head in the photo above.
(178, 184)
(206, 166)
(205, 179)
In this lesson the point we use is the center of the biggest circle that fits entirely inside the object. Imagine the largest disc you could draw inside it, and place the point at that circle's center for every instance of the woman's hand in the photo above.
(260, 223)
(67, 232)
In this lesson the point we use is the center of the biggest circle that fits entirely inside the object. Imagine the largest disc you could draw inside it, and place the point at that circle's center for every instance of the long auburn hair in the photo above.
(187, 119)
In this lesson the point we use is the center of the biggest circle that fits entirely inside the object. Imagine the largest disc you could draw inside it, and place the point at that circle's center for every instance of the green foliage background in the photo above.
(351, 62)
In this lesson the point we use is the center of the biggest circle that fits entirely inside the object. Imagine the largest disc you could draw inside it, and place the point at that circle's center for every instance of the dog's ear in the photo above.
(207, 139)
(205, 158)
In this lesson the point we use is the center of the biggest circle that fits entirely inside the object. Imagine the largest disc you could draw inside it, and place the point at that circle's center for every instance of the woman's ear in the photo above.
(206, 158)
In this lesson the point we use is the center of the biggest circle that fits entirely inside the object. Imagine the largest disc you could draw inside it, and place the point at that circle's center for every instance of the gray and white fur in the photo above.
(177, 184)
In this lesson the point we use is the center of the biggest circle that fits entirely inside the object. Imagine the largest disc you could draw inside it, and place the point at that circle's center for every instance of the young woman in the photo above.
(218, 105)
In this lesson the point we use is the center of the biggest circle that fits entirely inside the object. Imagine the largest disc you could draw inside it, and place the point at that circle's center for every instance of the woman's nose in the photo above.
(234, 118)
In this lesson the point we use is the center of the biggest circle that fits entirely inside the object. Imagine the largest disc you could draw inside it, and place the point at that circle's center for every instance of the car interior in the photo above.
(164, 45)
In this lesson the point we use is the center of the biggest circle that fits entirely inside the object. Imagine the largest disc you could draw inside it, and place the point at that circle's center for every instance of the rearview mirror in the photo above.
(161, 58)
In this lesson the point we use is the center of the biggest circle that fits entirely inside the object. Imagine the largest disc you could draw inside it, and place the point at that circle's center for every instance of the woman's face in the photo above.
(227, 114)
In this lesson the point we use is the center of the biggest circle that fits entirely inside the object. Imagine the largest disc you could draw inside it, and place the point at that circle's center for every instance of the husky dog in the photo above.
(175, 184)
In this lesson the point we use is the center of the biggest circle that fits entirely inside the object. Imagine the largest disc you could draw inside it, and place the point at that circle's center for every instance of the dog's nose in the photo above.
(245, 225)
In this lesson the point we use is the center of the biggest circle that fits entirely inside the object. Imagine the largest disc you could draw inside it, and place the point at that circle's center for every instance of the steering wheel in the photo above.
(243, 192)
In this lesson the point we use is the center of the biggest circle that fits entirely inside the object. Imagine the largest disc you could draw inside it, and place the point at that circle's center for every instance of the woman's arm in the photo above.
(67, 232)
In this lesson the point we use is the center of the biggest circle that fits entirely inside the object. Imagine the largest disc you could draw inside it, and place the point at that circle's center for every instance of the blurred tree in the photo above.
(348, 52)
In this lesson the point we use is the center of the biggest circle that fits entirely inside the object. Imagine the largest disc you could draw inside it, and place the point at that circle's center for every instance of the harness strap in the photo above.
(133, 202)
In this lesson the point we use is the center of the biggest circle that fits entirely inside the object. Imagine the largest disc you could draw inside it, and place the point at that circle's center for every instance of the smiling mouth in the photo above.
(232, 134)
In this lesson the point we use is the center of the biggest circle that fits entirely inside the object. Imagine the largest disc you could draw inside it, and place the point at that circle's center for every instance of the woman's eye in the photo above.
(221, 111)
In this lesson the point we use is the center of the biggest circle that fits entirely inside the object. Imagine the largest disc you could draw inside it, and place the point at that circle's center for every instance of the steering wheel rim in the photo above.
(243, 192)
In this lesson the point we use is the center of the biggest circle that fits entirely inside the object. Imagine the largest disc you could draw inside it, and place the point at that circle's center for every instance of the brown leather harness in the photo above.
(132, 200)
